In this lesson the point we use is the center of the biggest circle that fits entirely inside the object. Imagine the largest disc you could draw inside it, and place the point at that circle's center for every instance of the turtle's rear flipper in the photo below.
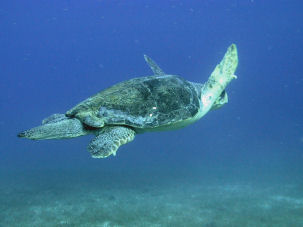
(153, 66)
(57, 126)
(109, 139)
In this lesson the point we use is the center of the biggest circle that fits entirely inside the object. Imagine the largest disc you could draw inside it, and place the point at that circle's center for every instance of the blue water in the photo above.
(240, 165)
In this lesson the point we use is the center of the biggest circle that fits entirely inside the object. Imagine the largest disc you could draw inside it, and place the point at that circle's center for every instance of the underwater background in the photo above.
(241, 165)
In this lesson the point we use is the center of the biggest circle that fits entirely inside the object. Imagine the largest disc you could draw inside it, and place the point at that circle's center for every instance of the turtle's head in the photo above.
(56, 126)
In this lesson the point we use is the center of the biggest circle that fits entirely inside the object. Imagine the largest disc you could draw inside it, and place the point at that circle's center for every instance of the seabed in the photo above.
(132, 198)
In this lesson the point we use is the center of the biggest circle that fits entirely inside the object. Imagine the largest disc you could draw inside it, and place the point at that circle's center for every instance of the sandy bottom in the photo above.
(75, 198)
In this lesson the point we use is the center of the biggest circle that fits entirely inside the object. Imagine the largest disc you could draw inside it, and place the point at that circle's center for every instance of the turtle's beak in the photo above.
(39, 133)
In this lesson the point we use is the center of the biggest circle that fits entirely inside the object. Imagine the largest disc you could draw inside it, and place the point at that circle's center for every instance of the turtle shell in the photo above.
(145, 102)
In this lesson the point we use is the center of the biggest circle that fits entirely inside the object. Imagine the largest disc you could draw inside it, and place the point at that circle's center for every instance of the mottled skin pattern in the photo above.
(154, 103)
(109, 139)
(57, 126)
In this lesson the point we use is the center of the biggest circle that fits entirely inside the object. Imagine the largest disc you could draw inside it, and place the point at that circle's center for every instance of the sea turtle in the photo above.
(144, 104)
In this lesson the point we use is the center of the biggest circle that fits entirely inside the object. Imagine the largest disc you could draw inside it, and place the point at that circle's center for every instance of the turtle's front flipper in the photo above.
(212, 93)
(109, 139)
